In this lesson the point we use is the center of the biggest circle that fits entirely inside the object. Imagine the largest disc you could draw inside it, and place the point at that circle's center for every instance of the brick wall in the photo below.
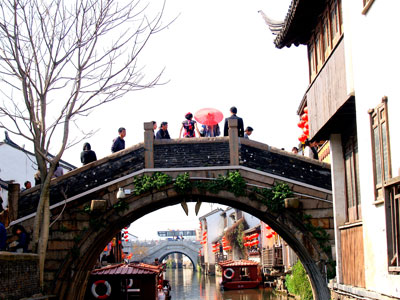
(86, 178)
(19, 275)
(282, 163)
(200, 154)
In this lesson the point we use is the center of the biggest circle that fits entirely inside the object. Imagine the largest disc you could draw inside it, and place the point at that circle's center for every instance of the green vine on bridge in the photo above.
(148, 183)
(233, 182)
(322, 238)
(273, 198)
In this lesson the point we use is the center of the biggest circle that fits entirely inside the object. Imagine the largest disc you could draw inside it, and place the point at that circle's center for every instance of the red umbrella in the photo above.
(208, 116)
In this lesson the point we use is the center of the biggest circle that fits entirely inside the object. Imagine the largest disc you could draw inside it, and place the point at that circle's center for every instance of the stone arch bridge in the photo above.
(186, 247)
(77, 237)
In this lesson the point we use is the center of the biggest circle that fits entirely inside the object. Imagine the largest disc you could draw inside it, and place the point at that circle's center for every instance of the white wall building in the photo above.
(213, 224)
(353, 101)
(19, 165)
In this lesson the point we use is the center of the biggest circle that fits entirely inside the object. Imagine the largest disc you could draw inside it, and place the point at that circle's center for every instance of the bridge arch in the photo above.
(75, 269)
(191, 258)
(164, 248)
(78, 237)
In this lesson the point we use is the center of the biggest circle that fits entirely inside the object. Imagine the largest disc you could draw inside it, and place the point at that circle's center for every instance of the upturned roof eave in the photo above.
(299, 23)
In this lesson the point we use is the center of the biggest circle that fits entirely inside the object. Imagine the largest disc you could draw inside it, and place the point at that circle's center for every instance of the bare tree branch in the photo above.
(61, 59)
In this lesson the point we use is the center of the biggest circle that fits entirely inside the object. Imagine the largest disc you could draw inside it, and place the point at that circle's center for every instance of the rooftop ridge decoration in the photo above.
(274, 26)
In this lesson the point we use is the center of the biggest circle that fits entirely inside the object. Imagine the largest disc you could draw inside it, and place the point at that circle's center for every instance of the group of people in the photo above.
(189, 128)
(21, 242)
(310, 149)
(59, 171)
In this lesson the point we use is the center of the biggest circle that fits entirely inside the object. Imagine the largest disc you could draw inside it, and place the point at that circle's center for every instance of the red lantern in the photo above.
(305, 109)
(125, 227)
(304, 117)
(126, 240)
(268, 227)
(301, 123)
(302, 138)
(306, 125)
(269, 236)
(306, 131)
(119, 242)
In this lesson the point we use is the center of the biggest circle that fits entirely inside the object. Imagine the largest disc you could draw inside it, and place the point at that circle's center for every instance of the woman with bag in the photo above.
(189, 126)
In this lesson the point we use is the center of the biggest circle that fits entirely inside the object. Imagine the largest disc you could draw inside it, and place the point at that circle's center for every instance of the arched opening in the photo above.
(186, 255)
(286, 224)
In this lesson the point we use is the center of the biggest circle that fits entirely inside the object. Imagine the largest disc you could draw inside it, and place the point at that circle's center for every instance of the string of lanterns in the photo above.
(125, 234)
(204, 241)
(303, 125)
(225, 244)
(271, 234)
(252, 240)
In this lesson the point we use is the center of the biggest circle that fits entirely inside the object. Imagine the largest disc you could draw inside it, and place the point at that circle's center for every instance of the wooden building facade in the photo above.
(351, 97)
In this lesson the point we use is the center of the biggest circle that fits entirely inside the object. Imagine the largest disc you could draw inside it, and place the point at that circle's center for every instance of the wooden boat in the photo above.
(128, 281)
(240, 274)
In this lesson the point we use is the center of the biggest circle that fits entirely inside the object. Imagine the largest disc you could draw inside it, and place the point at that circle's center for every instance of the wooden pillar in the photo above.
(13, 197)
(233, 142)
(338, 174)
(148, 145)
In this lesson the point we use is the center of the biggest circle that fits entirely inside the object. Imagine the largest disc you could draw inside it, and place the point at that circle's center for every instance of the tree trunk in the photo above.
(44, 236)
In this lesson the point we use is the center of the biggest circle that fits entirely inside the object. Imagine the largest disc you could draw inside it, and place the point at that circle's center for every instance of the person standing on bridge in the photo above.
(163, 134)
(247, 132)
(154, 128)
(119, 143)
(189, 126)
(233, 111)
(87, 155)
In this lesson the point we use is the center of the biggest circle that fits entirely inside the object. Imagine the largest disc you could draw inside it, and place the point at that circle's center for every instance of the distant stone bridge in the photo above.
(77, 238)
(186, 247)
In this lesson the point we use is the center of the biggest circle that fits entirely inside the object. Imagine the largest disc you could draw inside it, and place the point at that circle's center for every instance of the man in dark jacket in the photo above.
(233, 111)
(119, 143)
(163, 134)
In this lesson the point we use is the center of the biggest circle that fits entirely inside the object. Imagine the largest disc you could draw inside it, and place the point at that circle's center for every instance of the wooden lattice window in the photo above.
(352, 180)
(327, 34)
(392, 205)
(311, 60)
(380, 147)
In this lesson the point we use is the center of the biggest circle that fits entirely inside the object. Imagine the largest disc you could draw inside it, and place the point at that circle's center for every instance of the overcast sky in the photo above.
(218, 53)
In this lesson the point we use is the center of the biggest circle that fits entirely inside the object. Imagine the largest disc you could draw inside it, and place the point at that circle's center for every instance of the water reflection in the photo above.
(187, 284)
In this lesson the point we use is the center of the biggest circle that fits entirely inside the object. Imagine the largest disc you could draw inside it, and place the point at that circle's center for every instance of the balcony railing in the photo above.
(272, 257)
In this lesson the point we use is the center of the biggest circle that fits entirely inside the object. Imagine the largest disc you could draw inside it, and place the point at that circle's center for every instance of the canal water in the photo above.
(189, 285)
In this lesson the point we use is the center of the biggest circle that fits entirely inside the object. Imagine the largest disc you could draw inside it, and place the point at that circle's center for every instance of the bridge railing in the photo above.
(175, 154)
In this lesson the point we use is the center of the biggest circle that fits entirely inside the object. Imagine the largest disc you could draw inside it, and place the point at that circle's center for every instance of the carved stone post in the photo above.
(148, 145)
(13, 196)
(233, 142)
